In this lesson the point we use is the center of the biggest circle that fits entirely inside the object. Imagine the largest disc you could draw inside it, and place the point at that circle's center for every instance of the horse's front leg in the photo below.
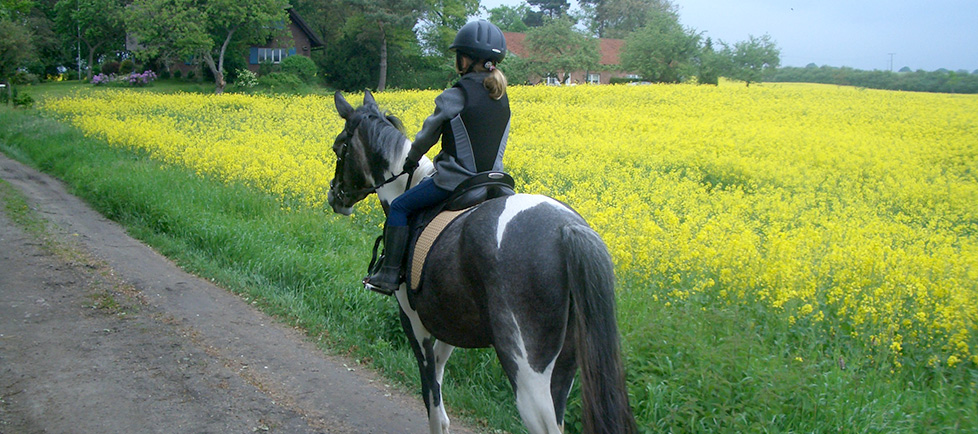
(438, 357)
(432, 355)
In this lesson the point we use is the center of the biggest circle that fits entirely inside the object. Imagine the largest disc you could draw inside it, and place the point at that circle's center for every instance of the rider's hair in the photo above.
(496, 82)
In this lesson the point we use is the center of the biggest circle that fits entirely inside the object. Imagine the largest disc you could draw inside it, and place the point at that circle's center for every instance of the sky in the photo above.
(862, 34)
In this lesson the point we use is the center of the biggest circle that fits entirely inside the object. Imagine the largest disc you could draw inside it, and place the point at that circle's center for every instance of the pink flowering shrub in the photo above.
(133, 79)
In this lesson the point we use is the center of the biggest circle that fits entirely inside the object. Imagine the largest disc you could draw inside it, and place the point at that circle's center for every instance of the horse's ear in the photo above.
(368, 98)
(342, 107)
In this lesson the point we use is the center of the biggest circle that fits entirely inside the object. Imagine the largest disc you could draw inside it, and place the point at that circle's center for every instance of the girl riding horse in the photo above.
(472, 120)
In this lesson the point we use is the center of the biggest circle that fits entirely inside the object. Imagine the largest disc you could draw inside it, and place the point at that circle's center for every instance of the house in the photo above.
(300, 40)
(610, 50)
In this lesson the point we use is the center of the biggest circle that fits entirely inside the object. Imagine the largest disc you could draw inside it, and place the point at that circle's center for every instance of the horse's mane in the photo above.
(384, 131)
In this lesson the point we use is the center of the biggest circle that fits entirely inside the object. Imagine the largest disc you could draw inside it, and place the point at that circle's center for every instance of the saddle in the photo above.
(428, 224)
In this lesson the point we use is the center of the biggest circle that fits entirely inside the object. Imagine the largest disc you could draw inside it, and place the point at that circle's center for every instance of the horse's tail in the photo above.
(604, 406)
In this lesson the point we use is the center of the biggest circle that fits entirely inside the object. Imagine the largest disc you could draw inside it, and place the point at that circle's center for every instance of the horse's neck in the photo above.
(396, 188)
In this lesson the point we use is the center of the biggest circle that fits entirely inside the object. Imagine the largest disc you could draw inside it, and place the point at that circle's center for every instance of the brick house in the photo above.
(610, 50)
(300, 40)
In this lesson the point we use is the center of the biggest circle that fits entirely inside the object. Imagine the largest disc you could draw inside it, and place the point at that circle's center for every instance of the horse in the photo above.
(523, 274)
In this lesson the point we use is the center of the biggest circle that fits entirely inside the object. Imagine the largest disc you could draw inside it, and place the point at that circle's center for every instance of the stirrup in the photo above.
(375, 288)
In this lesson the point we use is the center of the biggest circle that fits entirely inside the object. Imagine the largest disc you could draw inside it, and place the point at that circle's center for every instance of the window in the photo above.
(552, 81)
(594, 78)
(272, 55)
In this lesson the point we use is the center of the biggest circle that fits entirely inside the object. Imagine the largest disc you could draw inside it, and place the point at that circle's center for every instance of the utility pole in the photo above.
(891, 61)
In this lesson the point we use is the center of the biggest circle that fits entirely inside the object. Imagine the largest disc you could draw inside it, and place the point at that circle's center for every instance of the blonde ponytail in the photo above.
(495, 83)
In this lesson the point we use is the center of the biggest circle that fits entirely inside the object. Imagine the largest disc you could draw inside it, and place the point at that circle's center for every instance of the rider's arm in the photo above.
(447, 105)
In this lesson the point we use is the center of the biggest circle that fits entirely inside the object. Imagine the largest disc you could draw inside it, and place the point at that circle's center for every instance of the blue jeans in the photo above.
(421, 196)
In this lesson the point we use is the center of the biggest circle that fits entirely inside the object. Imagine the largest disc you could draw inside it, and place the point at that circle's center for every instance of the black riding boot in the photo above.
(387, 279)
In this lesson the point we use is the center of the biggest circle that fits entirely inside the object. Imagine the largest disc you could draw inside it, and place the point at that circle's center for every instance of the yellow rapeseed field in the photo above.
(852, 210)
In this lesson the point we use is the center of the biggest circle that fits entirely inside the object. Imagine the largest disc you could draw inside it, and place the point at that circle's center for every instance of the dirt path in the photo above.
(99, 333)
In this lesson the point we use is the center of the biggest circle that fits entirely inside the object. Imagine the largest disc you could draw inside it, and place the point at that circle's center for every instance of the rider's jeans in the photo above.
(423, 195)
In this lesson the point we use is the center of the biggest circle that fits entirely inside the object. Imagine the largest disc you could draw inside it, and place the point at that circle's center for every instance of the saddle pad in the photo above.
(426, 239)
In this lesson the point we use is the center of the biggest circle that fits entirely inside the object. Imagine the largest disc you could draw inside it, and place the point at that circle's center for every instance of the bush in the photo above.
(142, 79)
(301, 66)
(134, 79)
(267, 67)
(24, 77)
(127, 66)
(18, 99)
(246, 79)
(177, 74)
(281, 82)
(101, 79)
(23, 100)
(109, 68)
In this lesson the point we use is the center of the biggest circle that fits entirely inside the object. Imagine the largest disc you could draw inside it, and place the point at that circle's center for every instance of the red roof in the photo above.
(610, 48)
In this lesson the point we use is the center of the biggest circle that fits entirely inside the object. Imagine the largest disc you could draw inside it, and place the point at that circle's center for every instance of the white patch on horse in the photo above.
(420, 332)
(517, 204)
(533, 399)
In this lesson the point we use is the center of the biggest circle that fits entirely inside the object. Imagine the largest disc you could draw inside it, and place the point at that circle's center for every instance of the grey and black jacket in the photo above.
(473, 129)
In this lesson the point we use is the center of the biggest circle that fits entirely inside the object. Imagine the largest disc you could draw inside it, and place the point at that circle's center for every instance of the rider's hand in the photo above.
(410, 165)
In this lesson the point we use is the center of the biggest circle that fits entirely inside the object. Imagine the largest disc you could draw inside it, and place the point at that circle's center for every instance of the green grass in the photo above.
(17, 209)
(699, 366)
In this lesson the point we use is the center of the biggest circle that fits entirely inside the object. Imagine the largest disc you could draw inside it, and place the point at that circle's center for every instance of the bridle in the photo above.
(343, 141)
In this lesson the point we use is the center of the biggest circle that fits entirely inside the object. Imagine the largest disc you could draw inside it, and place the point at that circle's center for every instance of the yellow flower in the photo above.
(853, 207)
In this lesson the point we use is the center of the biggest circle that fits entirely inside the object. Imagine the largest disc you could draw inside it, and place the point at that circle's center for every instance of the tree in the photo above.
(51, 48)
(618, 18)
(390, 19)
(749, 59)
(556, 49)
(662, 50)
(440, 20)
(205, 27)
(97, 24)
(710, 64)
(509, 18)
(552, 8)
(15, 42)
(15, 49)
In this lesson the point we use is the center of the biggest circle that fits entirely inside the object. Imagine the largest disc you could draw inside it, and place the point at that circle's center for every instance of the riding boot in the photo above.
(388, 278)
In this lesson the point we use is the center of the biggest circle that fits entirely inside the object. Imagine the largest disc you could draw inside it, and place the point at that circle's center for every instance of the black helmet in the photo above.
(480, 40)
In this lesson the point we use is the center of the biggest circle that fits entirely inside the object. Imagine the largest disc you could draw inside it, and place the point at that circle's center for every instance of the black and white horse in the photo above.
(524, 274)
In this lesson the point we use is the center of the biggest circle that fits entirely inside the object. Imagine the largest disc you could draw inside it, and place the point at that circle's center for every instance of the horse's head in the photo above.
(370, 140)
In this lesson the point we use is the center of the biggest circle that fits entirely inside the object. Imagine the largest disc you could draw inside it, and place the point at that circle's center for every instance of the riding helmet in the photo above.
(480, 40)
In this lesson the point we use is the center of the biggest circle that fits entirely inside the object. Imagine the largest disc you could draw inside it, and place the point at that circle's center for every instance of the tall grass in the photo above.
(710, 366)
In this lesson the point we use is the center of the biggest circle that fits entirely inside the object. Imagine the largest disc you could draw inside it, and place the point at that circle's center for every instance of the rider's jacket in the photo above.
(473, 129)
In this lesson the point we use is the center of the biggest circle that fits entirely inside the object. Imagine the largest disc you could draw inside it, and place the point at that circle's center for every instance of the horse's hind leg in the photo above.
(563, 374)
(532, 386)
